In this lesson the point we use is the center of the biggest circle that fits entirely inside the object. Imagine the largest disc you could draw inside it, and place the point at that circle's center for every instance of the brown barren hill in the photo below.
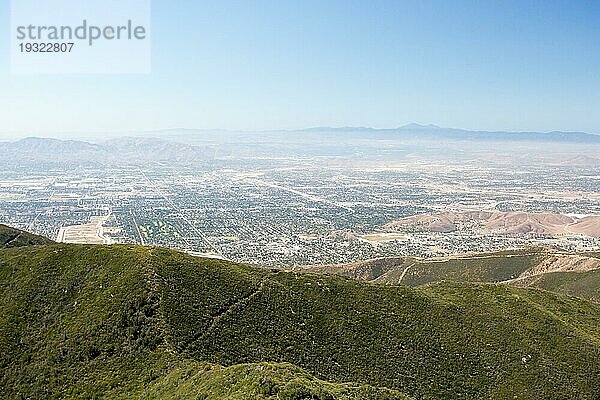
(512, 223)
(589, 226)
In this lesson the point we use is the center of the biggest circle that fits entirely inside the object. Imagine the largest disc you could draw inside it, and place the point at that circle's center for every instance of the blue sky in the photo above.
(511, 65)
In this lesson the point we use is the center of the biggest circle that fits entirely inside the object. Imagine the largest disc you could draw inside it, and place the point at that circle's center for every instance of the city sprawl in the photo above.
(297, 210)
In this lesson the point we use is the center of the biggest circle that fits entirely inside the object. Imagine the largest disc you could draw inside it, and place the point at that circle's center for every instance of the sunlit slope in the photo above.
(584, 284)
(485, 267)
(448, 340)
(88, 322)
(572, 274)
(129, 321)
(10, 237)
(273, 381)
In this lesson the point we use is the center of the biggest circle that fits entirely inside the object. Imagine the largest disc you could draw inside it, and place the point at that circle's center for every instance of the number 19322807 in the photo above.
(46, 47)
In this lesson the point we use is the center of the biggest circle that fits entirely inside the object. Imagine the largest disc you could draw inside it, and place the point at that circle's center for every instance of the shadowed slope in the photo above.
(11, 237)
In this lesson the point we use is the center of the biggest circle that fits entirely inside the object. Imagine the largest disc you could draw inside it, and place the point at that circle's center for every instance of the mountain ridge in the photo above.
(533, 266)
(434, 130)
(125, 149)
(12, 237)
(124, 320)
(410, 127)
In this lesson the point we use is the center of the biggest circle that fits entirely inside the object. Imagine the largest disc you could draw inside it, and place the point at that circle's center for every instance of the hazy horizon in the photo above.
(97, 134)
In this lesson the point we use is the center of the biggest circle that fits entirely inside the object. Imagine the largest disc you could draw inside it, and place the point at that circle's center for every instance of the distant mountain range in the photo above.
(407, 133)
(191, 145)
(129, 149)
(412, 130)
(417, 131)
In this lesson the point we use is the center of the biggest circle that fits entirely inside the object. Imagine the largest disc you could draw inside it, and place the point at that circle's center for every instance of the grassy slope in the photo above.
(492, 267)
(132, 321)
(10, 237)
(192, 380)
(582, 284)
(86, 321)
(485, 267)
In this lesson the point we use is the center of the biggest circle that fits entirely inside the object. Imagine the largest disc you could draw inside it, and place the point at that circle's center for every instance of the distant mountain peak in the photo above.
(419, 126)
(336, 129)
(37, 139)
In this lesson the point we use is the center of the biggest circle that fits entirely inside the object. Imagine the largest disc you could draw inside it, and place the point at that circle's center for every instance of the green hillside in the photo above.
(137, 322)
(485, 267)
(193, 380)
(10, 237)
(87, 322)
(496, 267)
(582, 284)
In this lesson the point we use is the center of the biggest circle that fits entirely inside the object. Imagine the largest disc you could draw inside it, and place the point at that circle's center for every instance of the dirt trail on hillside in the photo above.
(558, 263)
(564, 263)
